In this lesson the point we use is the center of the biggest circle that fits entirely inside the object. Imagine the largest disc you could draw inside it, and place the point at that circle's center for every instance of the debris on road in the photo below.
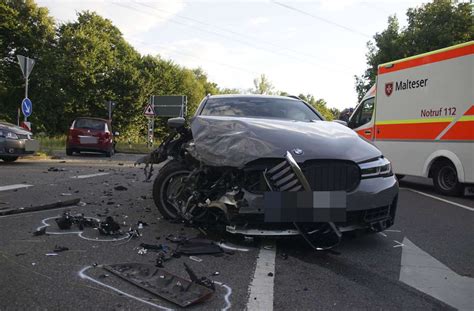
(41, 231)
(196, 259)
(201, 281)
(59, 204)
(109, 227)
(176, 239)
(58, 249)
(120, 188)
(163, 284)
(197, 246)
(66, 221)
(55, 169)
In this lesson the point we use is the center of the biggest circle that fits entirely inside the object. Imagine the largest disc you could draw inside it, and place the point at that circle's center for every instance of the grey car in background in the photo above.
(15, 142)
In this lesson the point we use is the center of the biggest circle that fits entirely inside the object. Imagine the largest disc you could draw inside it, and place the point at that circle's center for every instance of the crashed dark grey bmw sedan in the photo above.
(271, 165)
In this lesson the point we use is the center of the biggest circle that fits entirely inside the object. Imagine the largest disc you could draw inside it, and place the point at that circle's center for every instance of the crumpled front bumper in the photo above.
(372, 204)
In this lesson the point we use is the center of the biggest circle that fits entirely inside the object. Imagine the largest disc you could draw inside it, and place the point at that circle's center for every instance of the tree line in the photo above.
(432, 26)
(80, 65)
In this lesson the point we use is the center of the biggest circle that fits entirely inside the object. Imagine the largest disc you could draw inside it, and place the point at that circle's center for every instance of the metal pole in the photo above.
(110, 110)
(26, 81)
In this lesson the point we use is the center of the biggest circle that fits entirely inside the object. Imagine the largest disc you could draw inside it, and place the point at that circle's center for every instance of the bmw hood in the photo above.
(235, 141)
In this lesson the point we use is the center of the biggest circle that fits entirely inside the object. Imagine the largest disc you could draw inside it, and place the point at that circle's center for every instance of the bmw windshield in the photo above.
(250, 107)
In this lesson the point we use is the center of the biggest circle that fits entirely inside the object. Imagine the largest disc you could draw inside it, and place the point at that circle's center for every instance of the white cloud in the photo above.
(131, 17)
(257, 21)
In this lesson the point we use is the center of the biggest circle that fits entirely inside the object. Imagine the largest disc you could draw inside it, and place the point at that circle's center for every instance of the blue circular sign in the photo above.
(27, 107)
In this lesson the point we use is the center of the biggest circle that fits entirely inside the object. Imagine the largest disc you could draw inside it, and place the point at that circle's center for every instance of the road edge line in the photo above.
(441, 199)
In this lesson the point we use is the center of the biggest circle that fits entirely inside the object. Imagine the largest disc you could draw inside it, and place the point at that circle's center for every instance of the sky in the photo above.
(309, 47)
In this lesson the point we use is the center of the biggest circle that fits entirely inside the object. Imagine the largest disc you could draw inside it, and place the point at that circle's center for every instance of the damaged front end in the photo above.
(233, 175)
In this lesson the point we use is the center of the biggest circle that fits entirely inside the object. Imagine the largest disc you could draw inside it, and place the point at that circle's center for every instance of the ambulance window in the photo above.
(363, 114)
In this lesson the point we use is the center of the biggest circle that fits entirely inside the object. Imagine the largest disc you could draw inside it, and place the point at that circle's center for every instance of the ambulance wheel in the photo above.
(445, 178)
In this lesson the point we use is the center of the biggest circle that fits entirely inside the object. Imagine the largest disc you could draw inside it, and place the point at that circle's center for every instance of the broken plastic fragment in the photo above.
(41, 231)
(162, 283)
(58, 249)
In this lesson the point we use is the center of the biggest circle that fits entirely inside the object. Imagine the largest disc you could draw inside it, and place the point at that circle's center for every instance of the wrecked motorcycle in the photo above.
(252, 176)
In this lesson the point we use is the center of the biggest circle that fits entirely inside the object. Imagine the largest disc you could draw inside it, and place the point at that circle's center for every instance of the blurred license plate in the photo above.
(88, 140)
(31, 145)
(469, 191)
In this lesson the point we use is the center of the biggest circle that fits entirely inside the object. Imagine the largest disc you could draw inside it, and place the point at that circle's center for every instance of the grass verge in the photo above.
(48, 145)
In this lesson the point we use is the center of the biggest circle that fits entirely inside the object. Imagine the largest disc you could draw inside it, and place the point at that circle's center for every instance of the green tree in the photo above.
(263, 85)
(95, 65)
(319, 104)
(28, 30)
(432, 26)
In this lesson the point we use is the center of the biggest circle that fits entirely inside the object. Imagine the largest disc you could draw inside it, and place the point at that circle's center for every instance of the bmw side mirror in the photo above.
(176, 123)
(340, 122)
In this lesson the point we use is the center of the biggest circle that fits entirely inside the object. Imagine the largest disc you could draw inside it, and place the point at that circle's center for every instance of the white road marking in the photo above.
(89, 176)
(425, 273)
(13, 187)
(442, 200)
(261, 288)
(383, 234)
(228, 304)
(398, 244)
(232, 248)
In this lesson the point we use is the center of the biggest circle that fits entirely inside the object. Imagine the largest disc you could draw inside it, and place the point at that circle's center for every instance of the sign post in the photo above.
(149, 112)
(111, 106)
(26, 66)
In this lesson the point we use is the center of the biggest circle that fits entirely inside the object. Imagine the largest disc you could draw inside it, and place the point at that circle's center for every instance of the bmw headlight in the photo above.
(380, 167)
(7, 134)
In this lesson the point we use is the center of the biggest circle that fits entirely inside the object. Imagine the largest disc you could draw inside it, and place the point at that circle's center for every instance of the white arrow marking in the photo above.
(425, 273)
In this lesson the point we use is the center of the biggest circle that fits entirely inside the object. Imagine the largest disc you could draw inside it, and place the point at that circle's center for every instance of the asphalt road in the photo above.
(425, 261)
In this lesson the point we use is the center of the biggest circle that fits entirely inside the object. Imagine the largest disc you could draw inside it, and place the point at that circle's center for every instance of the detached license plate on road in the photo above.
(31, 145)
(88, 140)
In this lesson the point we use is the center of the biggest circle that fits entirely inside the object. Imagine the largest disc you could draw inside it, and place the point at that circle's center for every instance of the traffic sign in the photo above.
(26, 125)
(26, 65)
(26, 107)
(149, 111)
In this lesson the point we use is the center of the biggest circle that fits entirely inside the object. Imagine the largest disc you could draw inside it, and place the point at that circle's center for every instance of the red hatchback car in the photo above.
(92, 135)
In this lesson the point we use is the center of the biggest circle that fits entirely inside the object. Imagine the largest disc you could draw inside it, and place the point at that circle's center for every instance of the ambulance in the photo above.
(420, 114)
